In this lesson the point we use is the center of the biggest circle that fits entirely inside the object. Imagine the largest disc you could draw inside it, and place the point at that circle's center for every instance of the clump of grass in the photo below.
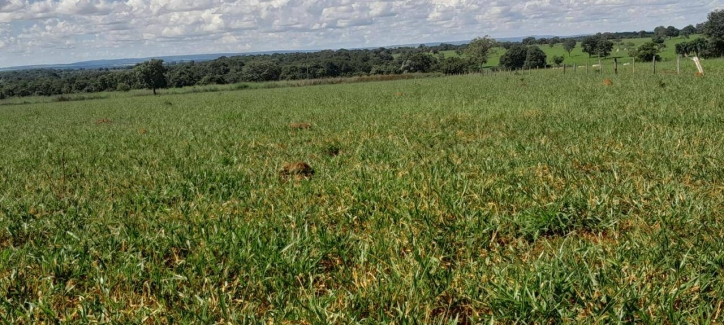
(300, 126)
(103, 121)
(298, 170)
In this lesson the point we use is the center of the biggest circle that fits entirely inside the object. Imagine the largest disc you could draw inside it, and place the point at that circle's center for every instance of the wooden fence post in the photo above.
(678, 64)
(654, 60)
(633, 61)
(615, 66)
(564, 68)
(600, 65)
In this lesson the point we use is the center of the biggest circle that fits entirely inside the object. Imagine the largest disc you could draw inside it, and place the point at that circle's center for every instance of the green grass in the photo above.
(528, 198)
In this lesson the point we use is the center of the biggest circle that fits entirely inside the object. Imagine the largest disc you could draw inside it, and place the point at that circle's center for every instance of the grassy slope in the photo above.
(559, 200)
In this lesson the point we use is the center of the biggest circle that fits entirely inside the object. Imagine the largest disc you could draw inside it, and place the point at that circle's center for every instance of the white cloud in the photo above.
(55, 31)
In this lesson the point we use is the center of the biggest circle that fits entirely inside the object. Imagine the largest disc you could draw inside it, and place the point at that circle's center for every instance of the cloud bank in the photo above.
(64, 31)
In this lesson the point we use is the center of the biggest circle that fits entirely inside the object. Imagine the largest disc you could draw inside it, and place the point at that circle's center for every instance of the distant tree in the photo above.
(589, 45)
(672, 32)
(660, 31)
(152, 74)
(714, 31)
(535, 58)
(658, 39)
(558, 60)
(647, 52)
(604, 48)
(568, 45)
(479, 48)
(417, 62)
(453, 65)
(542, 41)
(688, 31)
(597, 45)
(529, 41)
(642, 34)
(553, 41)
(700, 28)
(122, 86)
(696, 47)
(182, 77)
(263, 71)
(514, 58)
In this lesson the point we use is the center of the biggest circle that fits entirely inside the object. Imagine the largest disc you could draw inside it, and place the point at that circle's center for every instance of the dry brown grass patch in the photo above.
(607, 82)
(103, 121)
(300, 126)
(298, 170)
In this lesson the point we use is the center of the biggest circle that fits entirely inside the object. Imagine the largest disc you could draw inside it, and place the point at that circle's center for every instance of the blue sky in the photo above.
(65, 31)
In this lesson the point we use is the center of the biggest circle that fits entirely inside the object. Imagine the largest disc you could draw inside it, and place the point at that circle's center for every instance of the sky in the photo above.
(66, 31)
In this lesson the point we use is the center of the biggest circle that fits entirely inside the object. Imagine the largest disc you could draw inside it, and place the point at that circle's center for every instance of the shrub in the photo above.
(123, 87)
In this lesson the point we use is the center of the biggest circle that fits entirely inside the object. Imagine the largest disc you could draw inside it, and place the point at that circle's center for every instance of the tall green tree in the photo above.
(479, 48)
(660, 31)
(514, 58)
(688, 31)
(529, 41)
(672, 32)
(714, 31)
(597, 45)
(535, 58)
(568, 45)
(152, 74)
(647, 52)
(589, 44)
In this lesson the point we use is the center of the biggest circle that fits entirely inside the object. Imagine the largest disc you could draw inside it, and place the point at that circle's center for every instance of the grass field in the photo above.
(538, 198)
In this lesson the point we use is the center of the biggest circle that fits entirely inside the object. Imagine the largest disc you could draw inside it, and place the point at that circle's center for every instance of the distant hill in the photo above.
(120, 63)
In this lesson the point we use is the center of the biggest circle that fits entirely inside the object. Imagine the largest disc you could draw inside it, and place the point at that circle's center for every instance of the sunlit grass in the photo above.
(530, 198)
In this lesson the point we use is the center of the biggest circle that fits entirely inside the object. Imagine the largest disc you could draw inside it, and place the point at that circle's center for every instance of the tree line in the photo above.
(471, 57)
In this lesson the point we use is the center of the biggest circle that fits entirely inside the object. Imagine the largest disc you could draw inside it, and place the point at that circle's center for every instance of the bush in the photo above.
(535, 58)
(647, 52)
(123, 87)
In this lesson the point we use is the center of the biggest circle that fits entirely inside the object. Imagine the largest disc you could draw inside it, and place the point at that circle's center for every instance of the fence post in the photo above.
(633, 60)
(678, 64)
(615, 65)
(564, 68)
(654, 64)
(600, 65)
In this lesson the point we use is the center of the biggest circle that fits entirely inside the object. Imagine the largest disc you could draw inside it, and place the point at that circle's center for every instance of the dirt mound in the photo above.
(300, 126)
(607, 82)
(298, 170)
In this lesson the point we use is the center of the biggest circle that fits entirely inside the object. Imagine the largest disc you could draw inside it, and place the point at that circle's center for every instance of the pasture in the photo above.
(578, 57)
(528, 198)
